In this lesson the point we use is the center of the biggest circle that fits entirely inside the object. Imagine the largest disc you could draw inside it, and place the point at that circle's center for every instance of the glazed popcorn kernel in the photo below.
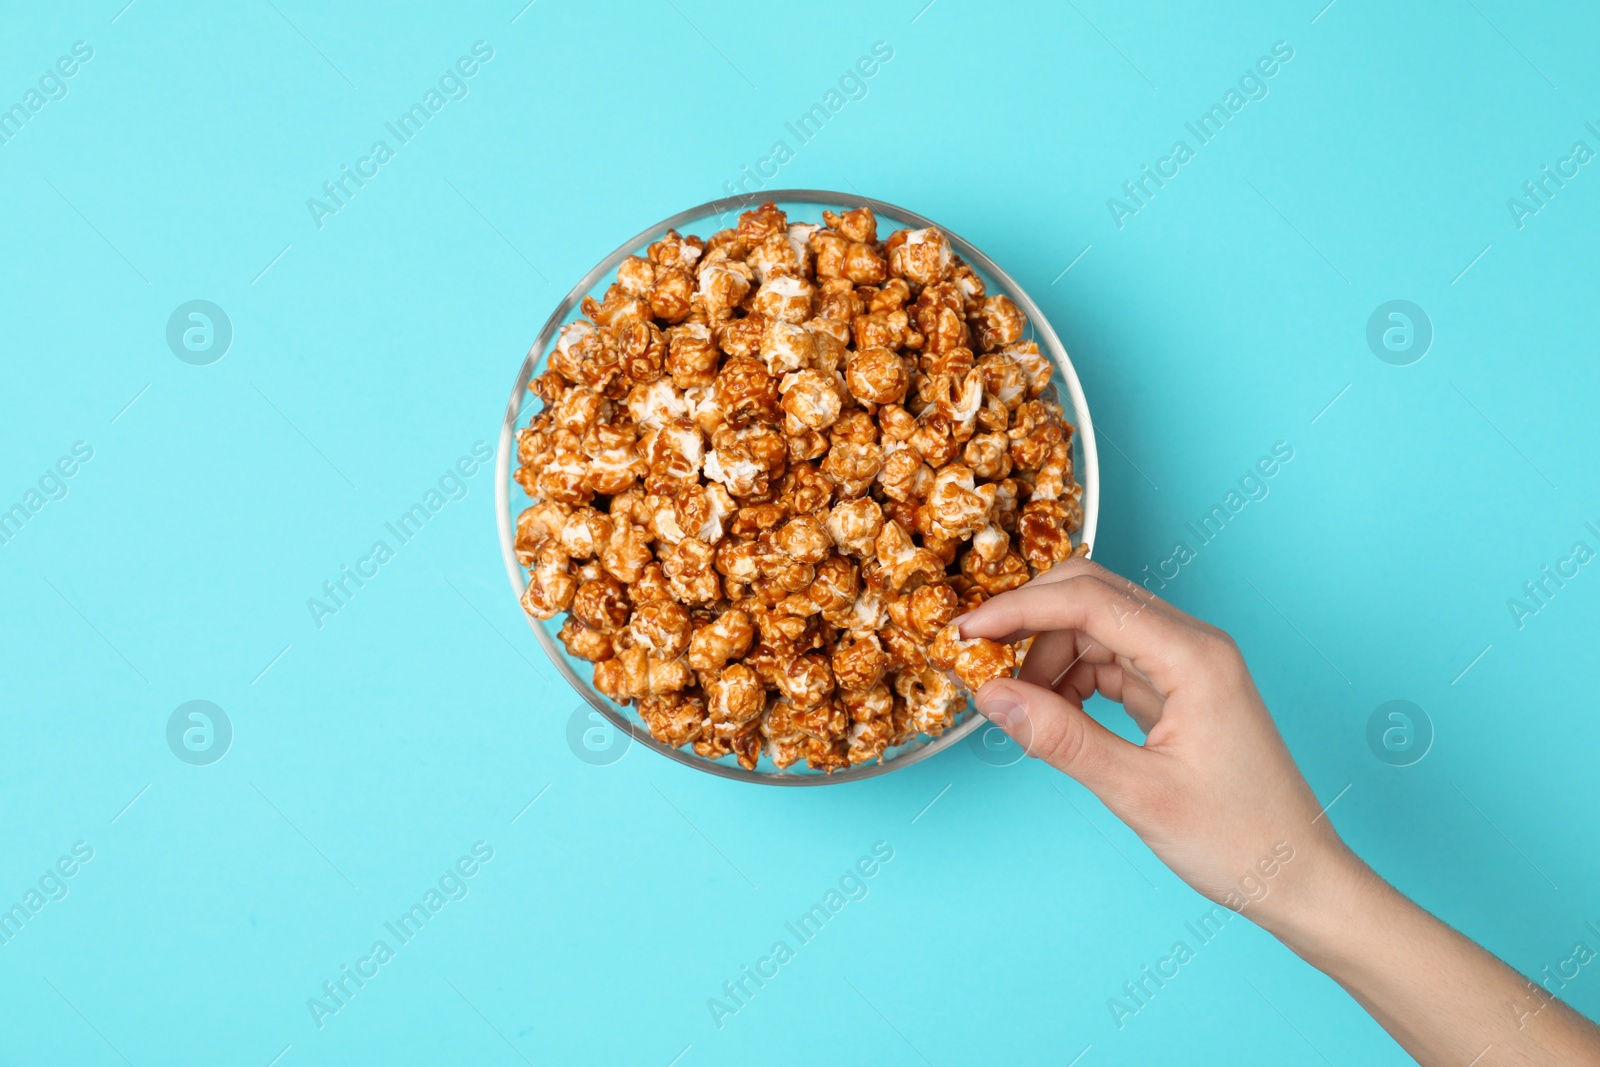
(974, 660)
(771, 466)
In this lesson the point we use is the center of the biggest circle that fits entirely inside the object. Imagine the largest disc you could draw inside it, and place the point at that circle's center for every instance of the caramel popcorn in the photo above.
(974, 660)
(772, 465)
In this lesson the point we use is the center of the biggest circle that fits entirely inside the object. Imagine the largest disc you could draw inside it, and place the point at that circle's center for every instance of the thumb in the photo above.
(1061, 733)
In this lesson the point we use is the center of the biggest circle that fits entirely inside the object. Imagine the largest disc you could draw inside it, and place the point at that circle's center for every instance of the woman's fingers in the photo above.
(1077, 666)
(1122, 621)
(1054, 652)
(1056, 729)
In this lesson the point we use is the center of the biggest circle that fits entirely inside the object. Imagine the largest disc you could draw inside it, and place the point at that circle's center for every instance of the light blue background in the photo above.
(374, 351)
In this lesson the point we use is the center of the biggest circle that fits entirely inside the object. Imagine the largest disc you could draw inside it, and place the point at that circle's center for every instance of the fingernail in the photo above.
(1004, 711)
(956, 622)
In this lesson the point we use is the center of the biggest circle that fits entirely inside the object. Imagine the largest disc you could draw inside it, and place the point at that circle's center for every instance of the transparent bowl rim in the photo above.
(1088, 476)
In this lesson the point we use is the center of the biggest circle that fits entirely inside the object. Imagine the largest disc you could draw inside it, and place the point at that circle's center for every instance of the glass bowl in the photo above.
(801, 205)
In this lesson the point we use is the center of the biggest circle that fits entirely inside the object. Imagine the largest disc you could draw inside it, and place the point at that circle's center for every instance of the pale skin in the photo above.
(1214, 792)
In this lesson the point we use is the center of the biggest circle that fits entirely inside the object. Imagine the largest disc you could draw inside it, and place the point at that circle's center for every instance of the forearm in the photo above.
(1443, 998)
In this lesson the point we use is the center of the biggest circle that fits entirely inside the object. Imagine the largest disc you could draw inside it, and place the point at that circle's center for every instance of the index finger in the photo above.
(1158, 644)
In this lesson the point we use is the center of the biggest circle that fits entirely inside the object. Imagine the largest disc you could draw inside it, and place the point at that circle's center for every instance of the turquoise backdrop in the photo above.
(185, 489)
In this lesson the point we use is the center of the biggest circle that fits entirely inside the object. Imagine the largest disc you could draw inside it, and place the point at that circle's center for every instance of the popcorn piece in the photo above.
(930, 607)
(827, 756)
(921, 256)
(975, 660)
(804, 490)
(998, 323)
(727, 637)
(989, 456)
(1042, 529)
(626, 554)
(538, 525)
(885, 329)
(723, 283)
(741, 336)
(651, 585)
(689, 571)
(858, 224)
(803, 539)
(601, 605)
(577, 345)
(734, 697)
(643, 350)
(824, 718)
(784, 297)
(661, 627)
(867, 740)
(811, 399)
(551, 586)
(655, 404)
(859, 661)
(674, 718)
(904, 476)
(932, 699)
(676, 251)
(584, 533)
(902, 560)
(834, 590)
(852, 467)
(583, 642)
(786, 347)
(619, 309)
(776, 255)
(1003, 378)
(691, 356)
(995, 578)
(746, 461)
(956, 506)
(877, 376)
(747, 393)
(614, 461)
(672, 295)
(854, 525)
(1035, 365)
(673, 450)
(762, 223)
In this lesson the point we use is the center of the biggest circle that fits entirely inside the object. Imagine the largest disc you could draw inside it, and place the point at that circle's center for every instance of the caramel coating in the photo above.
(771, 466)
(974, 660)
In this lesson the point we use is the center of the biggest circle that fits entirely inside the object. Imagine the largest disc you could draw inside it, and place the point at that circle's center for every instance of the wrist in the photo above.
(1319, 891)
(1331, 894)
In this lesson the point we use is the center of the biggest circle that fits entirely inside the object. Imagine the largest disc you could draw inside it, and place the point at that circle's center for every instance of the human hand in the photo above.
(1213, 791)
